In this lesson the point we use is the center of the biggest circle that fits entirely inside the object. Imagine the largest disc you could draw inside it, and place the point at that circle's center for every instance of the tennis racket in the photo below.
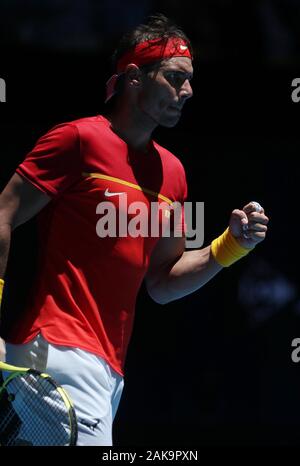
(34, 409)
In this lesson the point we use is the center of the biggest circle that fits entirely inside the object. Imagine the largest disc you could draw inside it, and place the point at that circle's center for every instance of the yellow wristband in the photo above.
(1, 289)
(226, 250)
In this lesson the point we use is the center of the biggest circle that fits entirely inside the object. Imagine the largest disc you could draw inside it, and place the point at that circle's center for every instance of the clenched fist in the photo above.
(249, 226)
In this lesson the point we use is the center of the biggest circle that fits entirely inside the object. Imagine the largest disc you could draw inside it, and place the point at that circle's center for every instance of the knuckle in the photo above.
(235, 212)
(262, 227)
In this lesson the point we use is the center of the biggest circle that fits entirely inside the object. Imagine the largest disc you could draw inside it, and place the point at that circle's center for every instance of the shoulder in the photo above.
(91, 126)
(96, 120)
(84, 126)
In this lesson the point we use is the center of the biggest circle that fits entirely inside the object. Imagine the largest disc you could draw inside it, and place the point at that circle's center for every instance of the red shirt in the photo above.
(87, 285)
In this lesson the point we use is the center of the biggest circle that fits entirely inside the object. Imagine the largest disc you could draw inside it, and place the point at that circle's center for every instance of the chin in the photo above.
(169, 122)
(169, 125)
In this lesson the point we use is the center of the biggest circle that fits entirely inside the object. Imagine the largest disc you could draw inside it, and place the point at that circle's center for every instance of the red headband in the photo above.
(154, 50)
(148, 52)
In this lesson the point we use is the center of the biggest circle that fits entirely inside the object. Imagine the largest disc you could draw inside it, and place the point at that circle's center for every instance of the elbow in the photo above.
(158, 294)
(160, 300)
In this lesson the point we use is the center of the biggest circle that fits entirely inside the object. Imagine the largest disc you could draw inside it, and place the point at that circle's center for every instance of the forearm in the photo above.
(174, 273)
(5, 237)
(188, 274)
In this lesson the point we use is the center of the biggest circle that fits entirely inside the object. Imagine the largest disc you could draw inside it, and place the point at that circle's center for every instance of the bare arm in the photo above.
(19, 202)
(174, 272)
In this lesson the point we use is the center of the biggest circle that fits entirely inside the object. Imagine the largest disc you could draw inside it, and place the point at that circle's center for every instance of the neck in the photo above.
(131, 125)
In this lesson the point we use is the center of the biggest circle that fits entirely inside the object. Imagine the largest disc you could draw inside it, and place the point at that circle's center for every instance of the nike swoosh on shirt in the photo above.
(108, 194)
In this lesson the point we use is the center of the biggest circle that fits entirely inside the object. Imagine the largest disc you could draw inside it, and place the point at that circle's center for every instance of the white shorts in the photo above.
(94, 387)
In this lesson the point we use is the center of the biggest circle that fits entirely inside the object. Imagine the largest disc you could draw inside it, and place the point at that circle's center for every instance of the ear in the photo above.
(133, 74)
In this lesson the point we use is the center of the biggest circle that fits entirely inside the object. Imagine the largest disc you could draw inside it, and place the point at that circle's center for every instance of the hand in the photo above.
(249, 226)
(2, 350)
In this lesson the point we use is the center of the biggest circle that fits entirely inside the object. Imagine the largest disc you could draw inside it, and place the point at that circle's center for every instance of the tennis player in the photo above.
(79, 316)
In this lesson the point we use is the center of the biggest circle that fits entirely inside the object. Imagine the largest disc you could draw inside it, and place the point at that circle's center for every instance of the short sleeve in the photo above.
(179, 225)
(184, 188)
(54, 163)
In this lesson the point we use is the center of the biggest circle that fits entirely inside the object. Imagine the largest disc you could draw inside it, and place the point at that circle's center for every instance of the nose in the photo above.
(186, 91)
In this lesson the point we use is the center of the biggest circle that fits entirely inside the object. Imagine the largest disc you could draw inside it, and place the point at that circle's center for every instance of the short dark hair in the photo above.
(156, 26)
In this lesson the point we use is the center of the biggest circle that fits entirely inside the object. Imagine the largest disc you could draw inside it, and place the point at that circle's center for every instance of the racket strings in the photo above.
(35, 413)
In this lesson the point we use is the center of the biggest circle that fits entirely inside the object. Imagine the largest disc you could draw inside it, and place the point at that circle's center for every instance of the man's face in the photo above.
(166, 90)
